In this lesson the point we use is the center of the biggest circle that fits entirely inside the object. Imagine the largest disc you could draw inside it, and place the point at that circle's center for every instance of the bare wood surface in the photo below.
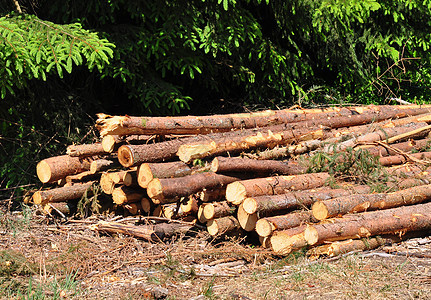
(414, 133)
(57, 167)
(284, 241)
(217, 210)
(124, 194)
(245, 220)
(237, 192)
(99, 165)
(223, 225)
(266, 226)
(359, 203)
(62, 194)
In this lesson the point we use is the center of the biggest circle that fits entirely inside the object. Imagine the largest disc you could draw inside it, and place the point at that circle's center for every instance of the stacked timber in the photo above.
(241, 173)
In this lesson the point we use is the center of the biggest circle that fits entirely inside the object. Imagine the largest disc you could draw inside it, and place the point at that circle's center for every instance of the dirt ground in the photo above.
(42, 258)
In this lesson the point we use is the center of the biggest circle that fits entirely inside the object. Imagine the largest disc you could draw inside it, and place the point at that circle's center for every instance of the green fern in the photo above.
(32, 48)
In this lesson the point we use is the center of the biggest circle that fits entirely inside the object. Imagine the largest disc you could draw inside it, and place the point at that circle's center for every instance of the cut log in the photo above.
(395, 220)
(143, 231)
(297, 199)
(217, 210)
(161, 190)
(62, 207)
(201, 216)
(210, 195)
(99, 165)
(123, 194)
(81, 177)
(106, 183)
(146, 205)
(85, 150)
(266, 226)
(404, 146)
(236, 192)
(170, 211)
(402, 159)
(110, 143)
(190, 206)
(237, 164)
(359, 203)
(284, 241)
(223, 225)
(245, 220)
(149, 171)
(130, 178)
(413, 134)
(62, 194)
(57, 167)
(126, 125)
(134, 208)
(341, 247)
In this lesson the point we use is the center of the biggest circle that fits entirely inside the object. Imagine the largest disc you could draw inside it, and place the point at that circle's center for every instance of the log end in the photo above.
(145, 175)
(201, 216)
(212, 227)
(155, 191)
(118, 196)
(37, 197)
(125, 156)
(246, 221)
(264, 228)
(214, 165)
(108, 143)
(319, 210)
(146, 205)
(209, 211)
(279, 244)
(311, 235)
(44, 172)
(250, 205)
(235, 193)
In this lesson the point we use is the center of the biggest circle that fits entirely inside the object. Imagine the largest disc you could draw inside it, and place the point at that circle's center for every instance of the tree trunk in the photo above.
(404, 146)
(190, 206)
(284, 241)
(223, 225)
(85, 150)
(61, 194)
(161, 190)
(341, 247)
(266, 226)
(359, 203)
(412, 134)
(395, 220)
(62, 207)
(82, 177)
(293, 200)
(99, 165)
(58, 167)
(111, 143)
(217, 210)
(149, 171)
(402, 159)
(143, 231)
(237, 164)
(123, 194)
(236, 192)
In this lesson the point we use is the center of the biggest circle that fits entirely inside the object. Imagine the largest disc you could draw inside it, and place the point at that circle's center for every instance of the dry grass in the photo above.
(42, 260)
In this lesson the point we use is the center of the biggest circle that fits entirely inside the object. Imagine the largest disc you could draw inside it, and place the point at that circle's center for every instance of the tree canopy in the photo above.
(63, 61)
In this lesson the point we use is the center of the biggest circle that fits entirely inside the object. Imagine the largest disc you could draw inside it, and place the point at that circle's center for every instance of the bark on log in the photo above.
(110, 143)
(62, 207)
(81, 177)
(223, 225)
(404, 146)
(237, 164)
(413, 134)
(341, 247)
(161, 190)
(266, 226)
(395, 220)
(134, 208)
(211, 195)
(217, 210)
(123, 194)
(402, 159)
(293, 200)
(99, 165)
(57, 167)
(62, 194)
(149, 171)
(359, 203)
(284, 241)
(190, 206)
(236, 192)
(201, 216)
(85, 150)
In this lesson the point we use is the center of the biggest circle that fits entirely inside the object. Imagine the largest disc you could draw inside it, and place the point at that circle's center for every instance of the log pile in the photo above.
(243, 173)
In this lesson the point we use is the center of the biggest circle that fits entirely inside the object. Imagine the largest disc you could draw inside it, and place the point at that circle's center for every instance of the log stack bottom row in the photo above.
(248, 172)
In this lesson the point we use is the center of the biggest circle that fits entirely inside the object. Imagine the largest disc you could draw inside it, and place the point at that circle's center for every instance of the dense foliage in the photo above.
(198, 56)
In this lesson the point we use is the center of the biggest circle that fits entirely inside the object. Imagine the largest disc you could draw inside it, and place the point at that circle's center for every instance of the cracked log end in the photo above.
(235, 193)
(264, 228)
(319, 210)
(125, 156)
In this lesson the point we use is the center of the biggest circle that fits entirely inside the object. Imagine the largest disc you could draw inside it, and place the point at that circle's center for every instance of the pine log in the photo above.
(61, 194)
(297, 199)
(395, 220)
(236, 192)
(126, 125)
(123, 194)
(57, 167)
(211, 195)
(149, 171)
(110, 143)
(404, 146)
(284, 241)
(341, 247)
(402, 159)
(130, 178)
(217, 210)
(237, 164)
(284, 134)
(171, 210)
(143, 231)
(99, 165)
(106, 183)
(85, 150)
(359, 203)
(82, 177)
(201, 216)
(266, 226)
(62, 207)
(245, 220)
(134, 208)
(223, 225)
(146, 205)
(413, 134)
(190, 206)
(161, 190)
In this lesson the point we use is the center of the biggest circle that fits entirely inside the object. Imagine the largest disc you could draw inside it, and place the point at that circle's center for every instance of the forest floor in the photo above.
(42, 258)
